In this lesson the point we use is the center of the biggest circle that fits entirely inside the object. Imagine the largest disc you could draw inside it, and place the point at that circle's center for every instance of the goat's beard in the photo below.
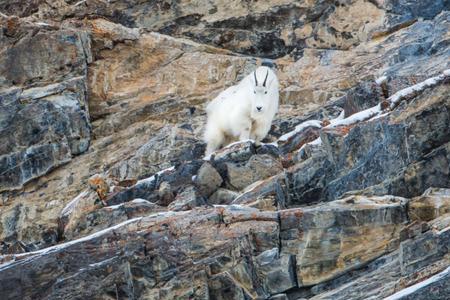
(255, 115)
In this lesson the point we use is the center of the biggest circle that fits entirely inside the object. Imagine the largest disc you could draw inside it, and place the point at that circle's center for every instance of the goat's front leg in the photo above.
(260, 131)
(245, 132)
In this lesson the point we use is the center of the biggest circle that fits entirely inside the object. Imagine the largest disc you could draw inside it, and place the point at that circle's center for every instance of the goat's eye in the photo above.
(254, 92)
(265, 92)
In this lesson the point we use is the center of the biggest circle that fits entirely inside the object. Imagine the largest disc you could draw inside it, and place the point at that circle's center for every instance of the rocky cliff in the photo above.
(105, 193)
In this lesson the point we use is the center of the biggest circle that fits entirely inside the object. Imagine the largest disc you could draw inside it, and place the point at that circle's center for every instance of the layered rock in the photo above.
(347, 199)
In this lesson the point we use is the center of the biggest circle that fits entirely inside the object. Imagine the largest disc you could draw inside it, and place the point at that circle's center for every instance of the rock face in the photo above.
(105, 193)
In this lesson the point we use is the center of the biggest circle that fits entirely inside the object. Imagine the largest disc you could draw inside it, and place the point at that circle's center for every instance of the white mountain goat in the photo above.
(243, 111)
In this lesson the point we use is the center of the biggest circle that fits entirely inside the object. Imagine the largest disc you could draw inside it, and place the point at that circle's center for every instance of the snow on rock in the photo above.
(153, 178)
(31, 255)
(146, 180)
(316, 142)
(397, 97)
(381, 80)
(358, 117)
(138, 200)
(299, 128)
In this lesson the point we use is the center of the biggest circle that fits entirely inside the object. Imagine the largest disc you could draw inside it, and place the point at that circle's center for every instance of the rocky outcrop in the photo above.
(106, 193)
(44, 111)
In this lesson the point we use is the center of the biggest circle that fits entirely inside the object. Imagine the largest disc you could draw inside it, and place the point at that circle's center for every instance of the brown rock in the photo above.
(332, 238)
(432, 204)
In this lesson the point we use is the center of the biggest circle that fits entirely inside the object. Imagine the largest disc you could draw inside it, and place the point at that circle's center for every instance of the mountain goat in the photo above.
(243, 111)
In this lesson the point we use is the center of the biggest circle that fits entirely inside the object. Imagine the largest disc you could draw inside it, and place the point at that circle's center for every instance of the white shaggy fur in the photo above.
(243, 111)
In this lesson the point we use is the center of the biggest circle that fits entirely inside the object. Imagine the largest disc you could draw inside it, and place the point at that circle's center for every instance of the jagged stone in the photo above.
(431, 205)
(384, 276)
(41, 129)
(187, 199)
(153, 248)
(276, 271)
(258, 167)
(208, 180)
(223, 196)
(108, 216)
(335, 237)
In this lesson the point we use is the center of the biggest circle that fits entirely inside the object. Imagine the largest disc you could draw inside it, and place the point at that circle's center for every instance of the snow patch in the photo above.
(380, 116)
(100, 263)
(358, 117)
(316, 142)
(146, 180)
(397, 97)
(138, 200)
(79, 3)
(381, 80)
(299, 128)
(115, 206)
(153, 178)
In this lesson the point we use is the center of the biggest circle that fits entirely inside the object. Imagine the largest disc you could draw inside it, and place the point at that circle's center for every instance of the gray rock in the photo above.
(436, 287)
(187, 199)
(208, 180)
(257, 168)
(276, 271)
(41, 129)
(222, 196)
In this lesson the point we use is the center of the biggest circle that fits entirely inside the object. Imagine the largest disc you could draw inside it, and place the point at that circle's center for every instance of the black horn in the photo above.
(256, 80)
(265, 79)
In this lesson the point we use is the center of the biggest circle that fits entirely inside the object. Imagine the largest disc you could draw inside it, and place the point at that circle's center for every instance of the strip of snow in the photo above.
(100, 263)
(42, 24)
(71, 205)
(358, 117)
(115, 206)
(381, 80)
(139, 200)
(79, 3)
(299, 128)
(70, 243)
(338, 118)
(410, 290)
(380, 116)
(316, 142)
(397, 97)
(153, 178)
(146, 180)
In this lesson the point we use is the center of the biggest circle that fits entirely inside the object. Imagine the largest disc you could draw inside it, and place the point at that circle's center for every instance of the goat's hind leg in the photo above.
(214, 139)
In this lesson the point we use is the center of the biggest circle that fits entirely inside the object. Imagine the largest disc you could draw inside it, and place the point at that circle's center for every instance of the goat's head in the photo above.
(261, 96)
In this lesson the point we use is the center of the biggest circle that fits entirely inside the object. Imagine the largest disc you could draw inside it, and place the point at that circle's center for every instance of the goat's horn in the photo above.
(265, 79)
(256, 80)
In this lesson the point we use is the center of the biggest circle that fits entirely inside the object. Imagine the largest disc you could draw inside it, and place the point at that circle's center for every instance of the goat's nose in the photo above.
(259, 108)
